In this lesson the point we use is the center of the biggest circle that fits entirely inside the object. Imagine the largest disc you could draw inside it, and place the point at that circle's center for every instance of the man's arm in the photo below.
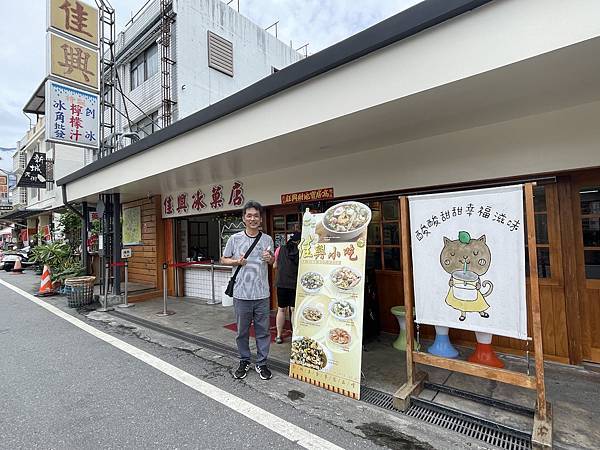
(229, 250)
(232, 261)
(268, 256)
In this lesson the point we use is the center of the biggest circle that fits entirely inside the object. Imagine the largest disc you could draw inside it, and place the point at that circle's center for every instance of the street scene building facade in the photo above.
(382, 148)
(433, 100)
(199, 29)
(215, 51)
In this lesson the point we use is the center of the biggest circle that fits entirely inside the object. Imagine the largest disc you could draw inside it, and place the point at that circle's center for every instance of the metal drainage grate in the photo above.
(377, 398)
(471, 426)
(454, 420)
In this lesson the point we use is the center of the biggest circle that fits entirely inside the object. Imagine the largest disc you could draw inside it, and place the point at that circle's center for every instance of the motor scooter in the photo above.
(10, 257)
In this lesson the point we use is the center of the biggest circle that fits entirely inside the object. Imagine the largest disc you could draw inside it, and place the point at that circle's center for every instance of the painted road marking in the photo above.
(270, 421)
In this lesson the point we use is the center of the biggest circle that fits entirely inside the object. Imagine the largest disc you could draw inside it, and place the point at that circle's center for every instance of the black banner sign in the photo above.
(35, 173)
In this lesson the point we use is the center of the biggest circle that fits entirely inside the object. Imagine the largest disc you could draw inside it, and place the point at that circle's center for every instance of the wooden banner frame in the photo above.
(542, 425)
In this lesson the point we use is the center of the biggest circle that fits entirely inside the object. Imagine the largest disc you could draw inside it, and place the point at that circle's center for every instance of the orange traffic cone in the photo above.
(46, 284)
(18, 268)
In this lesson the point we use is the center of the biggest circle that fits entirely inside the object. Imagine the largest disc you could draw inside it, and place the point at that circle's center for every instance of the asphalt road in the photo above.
(61, 387)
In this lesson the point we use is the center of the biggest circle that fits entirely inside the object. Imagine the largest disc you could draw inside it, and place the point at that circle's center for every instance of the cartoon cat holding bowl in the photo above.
(466, 260)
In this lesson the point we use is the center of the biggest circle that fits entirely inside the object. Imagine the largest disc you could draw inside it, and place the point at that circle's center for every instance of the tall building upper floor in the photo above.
(215, 50)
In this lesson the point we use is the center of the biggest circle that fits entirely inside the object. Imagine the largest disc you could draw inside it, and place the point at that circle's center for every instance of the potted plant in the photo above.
(71, 226)
(59, 257)
(34, 241)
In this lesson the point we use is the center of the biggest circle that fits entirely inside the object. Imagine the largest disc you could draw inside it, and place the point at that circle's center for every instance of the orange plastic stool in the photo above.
(484, 352)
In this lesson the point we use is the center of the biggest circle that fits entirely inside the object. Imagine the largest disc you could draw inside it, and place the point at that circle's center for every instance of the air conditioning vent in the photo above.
(220, 54)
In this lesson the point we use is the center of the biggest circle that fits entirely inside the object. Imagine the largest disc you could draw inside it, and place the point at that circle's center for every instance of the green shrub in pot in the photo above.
(58, 256)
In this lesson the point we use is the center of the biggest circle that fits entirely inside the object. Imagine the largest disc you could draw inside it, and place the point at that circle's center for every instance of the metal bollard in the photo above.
(126, 303)
(104, 307)
(165, 312)
(213, 300)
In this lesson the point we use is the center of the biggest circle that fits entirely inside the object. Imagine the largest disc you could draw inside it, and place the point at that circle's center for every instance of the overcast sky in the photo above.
(320, 23)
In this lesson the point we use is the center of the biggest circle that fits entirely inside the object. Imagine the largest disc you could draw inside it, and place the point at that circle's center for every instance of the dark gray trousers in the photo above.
(246, 312)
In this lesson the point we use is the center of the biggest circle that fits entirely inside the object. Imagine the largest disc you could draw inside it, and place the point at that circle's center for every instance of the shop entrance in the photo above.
(284, 221)
(586, 190)
(383, 260)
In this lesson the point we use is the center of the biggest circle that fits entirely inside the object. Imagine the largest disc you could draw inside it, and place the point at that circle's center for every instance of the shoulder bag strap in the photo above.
(256, 239)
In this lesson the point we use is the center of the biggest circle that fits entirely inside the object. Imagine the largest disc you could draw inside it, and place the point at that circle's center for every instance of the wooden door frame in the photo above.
(578, 315)
(270, 212)
(572, 266)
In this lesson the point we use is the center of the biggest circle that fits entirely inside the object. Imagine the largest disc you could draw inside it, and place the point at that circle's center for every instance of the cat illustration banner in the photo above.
(468, 251)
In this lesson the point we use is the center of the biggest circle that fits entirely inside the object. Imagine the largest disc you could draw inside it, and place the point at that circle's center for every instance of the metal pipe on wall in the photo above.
(116, 242)
(104, 210)
(85, 226)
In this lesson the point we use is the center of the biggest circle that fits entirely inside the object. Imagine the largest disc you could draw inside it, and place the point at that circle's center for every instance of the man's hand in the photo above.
(267, 256)
(242, 261)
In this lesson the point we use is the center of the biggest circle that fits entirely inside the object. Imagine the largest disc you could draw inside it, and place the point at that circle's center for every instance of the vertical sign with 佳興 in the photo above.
(72, 61)
(75, 18)
(328, 318)
(71, 115)
(73, 42)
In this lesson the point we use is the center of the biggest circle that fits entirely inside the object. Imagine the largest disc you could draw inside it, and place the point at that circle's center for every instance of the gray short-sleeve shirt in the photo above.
(252, 282)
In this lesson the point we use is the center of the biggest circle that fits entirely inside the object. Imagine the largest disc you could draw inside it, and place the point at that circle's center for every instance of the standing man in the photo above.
(251, 296)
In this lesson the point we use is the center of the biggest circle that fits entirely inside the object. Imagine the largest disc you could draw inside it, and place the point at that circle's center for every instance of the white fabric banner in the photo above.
(468, 252)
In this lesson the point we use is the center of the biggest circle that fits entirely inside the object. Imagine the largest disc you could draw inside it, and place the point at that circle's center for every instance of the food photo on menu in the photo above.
(344, 222)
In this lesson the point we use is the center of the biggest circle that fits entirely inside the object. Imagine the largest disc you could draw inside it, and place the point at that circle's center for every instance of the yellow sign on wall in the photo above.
(73, 61)
(75, 18)
(132, 226)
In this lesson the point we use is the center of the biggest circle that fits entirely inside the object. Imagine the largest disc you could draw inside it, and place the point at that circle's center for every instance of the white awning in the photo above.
(455, 103)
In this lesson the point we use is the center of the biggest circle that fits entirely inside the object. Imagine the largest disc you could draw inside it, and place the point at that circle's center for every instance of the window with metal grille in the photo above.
(144, 66)
(147, 125)
(383, 249)
(22, 160)
(23, 196)
(151, 60)
(220, 54)
(49, 175)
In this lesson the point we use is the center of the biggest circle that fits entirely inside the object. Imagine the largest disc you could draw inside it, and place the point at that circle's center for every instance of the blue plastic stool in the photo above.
(442, 346)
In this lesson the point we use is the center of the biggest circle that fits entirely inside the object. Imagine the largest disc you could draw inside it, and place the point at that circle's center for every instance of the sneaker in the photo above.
(278, 340)
(264, 372)
(242, 370)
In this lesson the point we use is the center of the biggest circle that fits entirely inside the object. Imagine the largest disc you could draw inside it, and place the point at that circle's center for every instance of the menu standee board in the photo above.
(327, 341)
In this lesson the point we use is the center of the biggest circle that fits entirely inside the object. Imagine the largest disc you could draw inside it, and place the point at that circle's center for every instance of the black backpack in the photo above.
(371, 325)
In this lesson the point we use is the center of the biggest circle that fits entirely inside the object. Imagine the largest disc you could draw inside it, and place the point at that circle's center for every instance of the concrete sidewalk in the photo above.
(573, 391)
